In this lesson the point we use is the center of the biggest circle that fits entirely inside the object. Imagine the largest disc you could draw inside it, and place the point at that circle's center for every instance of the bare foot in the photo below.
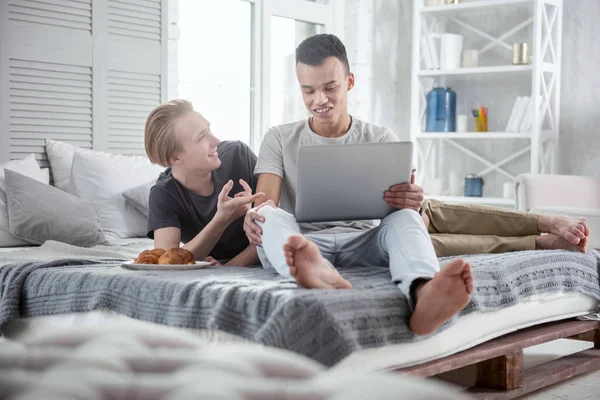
(438, 300)
(573, 230)
(554, 242)
(309, 268)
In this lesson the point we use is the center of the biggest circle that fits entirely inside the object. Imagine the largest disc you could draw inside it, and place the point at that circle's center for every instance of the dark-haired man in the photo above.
(307, 252)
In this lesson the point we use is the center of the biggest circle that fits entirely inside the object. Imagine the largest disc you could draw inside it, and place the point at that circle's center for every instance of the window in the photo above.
(285, 99)
(236, 60)
(215, 66)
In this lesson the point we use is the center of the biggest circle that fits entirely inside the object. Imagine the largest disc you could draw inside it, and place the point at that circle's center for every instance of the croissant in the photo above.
(177, 255)
(149, 256)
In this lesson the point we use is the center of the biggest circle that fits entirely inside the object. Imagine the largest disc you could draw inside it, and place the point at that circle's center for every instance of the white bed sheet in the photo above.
(468, 332)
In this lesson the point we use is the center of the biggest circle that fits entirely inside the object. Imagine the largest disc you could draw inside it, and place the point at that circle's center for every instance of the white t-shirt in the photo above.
(279, 156)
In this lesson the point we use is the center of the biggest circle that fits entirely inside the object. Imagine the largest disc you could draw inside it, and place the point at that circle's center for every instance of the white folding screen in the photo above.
(131, 96)
(48, 100)
(81, 71)
(136, 67)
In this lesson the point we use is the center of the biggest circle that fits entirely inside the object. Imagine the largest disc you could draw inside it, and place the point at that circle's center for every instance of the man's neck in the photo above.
(199, 182)
(331, 130)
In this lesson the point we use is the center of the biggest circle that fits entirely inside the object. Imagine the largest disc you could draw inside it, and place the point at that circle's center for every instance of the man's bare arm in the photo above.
(248, 256)
(270, 185)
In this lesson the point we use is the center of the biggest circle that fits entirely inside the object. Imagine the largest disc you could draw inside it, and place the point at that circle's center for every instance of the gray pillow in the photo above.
(139, 196)
(39, 212)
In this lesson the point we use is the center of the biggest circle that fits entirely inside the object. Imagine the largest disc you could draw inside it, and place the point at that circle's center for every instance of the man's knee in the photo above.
(266, 211)
(276, 215)
(404, 216)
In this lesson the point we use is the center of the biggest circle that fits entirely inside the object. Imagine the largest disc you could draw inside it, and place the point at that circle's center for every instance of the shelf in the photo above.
(534, 150)
(492, 201)
(473, 6)
(500, 69)
(472, 135)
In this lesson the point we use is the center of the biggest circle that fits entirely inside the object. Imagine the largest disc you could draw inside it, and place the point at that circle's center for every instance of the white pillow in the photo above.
(46, 175)
(139, 197)
(102, 178)
(60, 156)
(28, 167)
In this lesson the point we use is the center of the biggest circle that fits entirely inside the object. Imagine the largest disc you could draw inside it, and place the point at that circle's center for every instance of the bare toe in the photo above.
(582, 246)
(579, 231)
(296, 242)
(571, 237)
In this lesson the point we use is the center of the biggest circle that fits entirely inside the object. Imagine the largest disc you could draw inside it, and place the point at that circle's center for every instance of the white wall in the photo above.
(580, 98)
(378, 41)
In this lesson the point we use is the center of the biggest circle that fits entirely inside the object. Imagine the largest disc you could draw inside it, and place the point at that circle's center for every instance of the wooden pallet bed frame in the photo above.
(499, 362)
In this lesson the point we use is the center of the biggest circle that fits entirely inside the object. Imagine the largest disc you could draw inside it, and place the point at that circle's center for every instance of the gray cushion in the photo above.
(138, 197)
(39, 212)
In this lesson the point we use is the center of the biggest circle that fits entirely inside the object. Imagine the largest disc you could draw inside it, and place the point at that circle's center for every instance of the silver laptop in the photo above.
(347, 182)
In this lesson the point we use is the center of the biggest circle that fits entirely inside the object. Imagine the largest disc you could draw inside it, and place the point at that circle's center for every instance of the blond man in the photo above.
(202, 196)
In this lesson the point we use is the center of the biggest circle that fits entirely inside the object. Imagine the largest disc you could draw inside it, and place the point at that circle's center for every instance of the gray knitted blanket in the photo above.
(326, 325)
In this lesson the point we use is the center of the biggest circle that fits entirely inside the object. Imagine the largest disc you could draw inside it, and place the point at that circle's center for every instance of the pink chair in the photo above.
(575, 196)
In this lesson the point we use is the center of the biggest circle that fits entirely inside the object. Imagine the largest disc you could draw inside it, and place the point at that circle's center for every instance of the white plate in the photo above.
(165, 267)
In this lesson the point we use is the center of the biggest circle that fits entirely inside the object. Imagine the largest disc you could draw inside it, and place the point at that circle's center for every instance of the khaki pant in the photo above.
(457, 229)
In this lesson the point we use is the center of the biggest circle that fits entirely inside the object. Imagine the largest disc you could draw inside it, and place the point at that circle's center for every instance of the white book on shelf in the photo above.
(512, 113)
(426, 53)
(528, 117)
(516, 123)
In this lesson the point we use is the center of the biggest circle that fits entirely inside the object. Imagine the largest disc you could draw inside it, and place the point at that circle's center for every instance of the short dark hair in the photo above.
(314, 50)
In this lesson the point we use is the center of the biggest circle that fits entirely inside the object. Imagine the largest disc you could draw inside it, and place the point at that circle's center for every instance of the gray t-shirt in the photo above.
(279, 156)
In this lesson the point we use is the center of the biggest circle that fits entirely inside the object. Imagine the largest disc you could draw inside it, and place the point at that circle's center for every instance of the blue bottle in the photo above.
(441, 110)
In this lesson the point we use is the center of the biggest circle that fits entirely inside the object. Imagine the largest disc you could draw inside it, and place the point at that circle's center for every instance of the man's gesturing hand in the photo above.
(232, 208)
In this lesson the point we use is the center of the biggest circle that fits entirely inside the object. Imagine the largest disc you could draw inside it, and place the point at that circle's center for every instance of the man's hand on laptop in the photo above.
(405, 195)
(253, 231)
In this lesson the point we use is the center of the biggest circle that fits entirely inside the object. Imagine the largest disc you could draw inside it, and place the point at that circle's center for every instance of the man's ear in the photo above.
(174, 159)
(350, 80)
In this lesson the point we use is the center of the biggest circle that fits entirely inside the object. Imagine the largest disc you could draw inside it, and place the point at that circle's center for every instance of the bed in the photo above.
(62, 286)
(359, 330)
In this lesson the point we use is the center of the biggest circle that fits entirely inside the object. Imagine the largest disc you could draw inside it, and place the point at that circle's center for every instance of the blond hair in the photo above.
(159, 135)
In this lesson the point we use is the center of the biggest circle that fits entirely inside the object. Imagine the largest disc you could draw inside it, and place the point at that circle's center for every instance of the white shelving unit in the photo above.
(543, 18)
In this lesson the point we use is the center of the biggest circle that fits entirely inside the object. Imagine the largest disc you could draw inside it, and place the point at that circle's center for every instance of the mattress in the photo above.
(467, 332)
